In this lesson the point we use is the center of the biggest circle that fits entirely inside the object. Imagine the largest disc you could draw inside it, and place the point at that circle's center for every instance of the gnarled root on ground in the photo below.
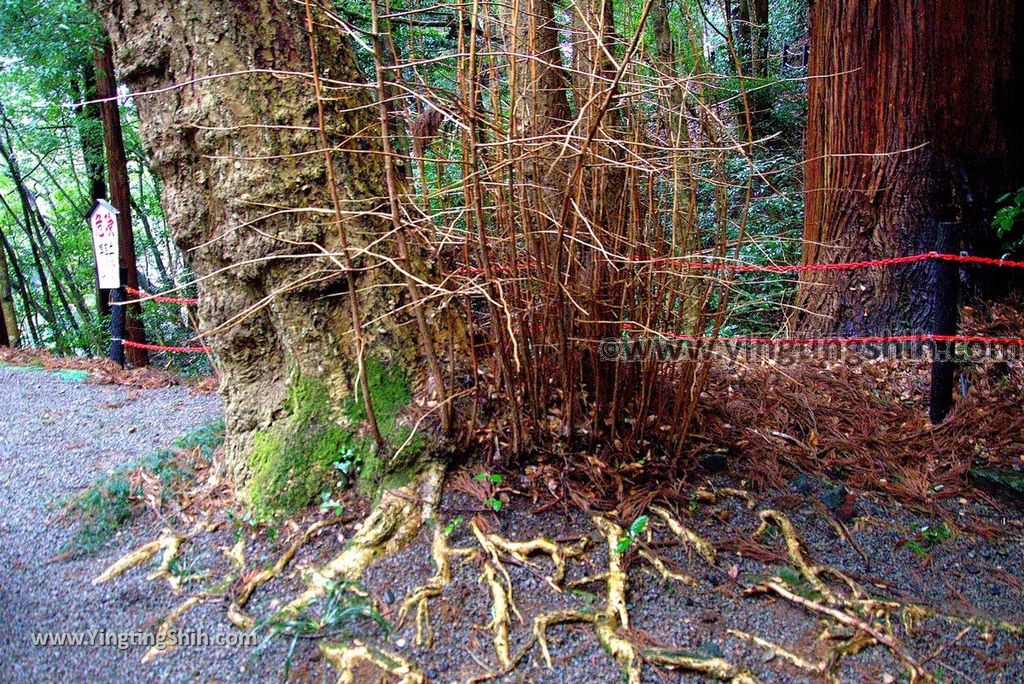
(610, 625)
(164, 641)
(345, 658)
(821, 669)
(393, 523)
(236, 613)
(686, 535)
(846, 611)
(169, 543)
(419, 598)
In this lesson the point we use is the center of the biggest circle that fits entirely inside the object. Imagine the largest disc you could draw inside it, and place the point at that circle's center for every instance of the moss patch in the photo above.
(295, 461)
(389, 392)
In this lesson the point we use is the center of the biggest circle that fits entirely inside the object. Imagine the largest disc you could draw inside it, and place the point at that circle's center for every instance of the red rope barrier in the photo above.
(792, 268)
(825, 341)
(161, 298)
(738, 268)
(160, 347)
(845, 266)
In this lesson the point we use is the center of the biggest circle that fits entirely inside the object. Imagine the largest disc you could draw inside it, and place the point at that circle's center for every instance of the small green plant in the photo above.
(796, 582)
(451, 526)
(1008, 218)
(492, 479)
(928, 538)
(329, 504)
(345, 607)
(632, 534)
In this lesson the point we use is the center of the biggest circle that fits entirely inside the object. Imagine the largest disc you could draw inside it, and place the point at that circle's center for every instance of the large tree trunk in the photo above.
(120, 196)
(540, 114)
(913, 120)
(274, 230)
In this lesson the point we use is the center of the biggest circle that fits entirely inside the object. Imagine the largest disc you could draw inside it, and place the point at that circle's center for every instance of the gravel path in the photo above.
(56, 436)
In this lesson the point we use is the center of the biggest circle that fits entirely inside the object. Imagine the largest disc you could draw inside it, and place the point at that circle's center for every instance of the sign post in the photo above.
(103, 223)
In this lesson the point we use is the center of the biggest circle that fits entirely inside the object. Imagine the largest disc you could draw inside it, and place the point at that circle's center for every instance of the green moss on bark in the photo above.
(293, 461)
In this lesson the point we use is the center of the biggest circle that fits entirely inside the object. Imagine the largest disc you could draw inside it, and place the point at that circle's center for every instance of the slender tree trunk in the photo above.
(8, 318)
(120, 194)
(273, 231)
(49, 313)
(28, 305)
(913, 119)
(90, 132)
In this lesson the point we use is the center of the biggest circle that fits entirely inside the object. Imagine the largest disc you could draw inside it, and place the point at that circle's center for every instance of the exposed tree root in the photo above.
(610, 625)
(163, 632)
(521, 551)
(846, 611)
(169, 543)
(853, 620)
(393, 523)
(914, 668)
(440, 553)
(236, 613)
(501, 619)
(795, 550)
(345, 658)
(664, 571)
(685, 534)
(817, 668)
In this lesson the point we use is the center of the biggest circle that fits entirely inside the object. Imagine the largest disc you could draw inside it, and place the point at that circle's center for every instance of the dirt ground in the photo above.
(966, 564)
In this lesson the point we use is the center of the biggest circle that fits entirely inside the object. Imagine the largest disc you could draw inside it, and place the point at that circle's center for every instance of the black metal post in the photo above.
(117, 313)
(945, 321)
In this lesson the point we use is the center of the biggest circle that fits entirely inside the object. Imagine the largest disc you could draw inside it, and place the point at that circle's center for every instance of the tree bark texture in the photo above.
(120, 196)
(231, 124)
(913, 119)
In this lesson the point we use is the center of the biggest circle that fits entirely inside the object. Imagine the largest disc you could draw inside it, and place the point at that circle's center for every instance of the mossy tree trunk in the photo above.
(231, 122)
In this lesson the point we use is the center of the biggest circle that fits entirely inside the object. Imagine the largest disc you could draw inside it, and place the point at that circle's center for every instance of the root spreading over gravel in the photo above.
(730, 585)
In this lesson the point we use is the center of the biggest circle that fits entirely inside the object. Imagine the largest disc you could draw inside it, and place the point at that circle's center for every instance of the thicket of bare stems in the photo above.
(552, 170)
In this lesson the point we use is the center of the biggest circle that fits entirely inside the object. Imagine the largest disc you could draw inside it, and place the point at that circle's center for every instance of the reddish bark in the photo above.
(120, 195)
(912, 113)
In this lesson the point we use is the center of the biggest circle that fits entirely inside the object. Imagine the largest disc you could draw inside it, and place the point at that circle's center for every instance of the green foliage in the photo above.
(45, 59)
(452, 526)
(493, 478)
(797, 583)
(1009, 220)
(632, 534)
(929, 537)
(104, 506)
(344, 608)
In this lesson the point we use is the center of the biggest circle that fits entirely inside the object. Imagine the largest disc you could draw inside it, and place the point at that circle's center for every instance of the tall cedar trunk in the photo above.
(913, 119)
(120, 195)
(752, 38)
(90, 132)
(247, 193)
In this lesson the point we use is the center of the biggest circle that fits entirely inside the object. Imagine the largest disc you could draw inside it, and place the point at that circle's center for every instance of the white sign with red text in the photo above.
(103, 222)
